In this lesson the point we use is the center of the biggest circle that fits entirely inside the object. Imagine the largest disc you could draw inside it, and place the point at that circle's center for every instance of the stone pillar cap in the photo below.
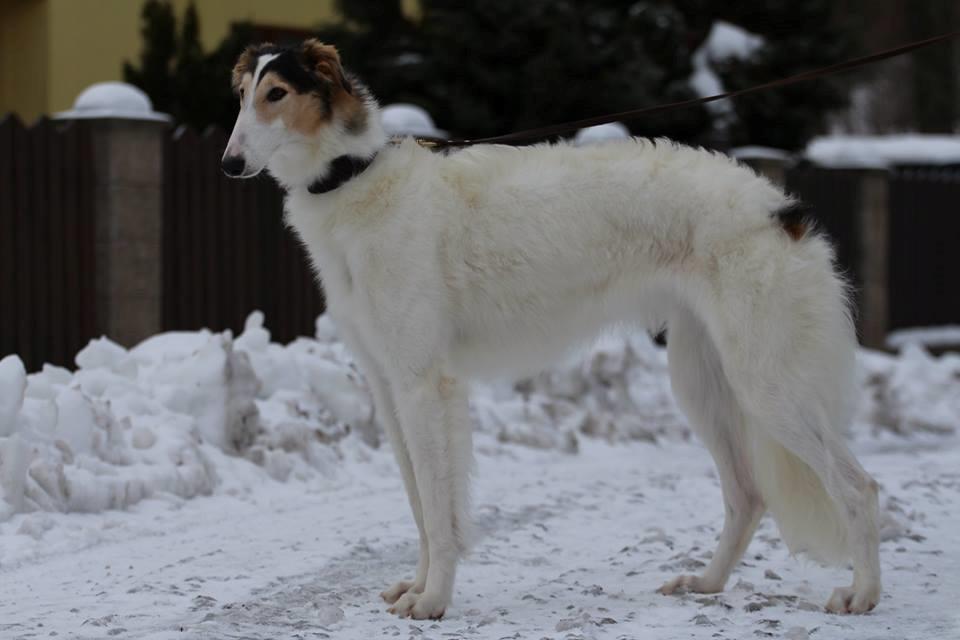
(117, 100)
(403, 119)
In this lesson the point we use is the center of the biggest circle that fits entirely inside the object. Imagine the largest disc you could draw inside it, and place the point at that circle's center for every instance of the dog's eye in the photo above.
(276, 94)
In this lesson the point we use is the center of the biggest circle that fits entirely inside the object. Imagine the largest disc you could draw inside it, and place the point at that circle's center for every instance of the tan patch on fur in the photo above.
(302, 112)
(325, 61)
(446, 386)
(796, 230)
(351, 111)
(305, 113)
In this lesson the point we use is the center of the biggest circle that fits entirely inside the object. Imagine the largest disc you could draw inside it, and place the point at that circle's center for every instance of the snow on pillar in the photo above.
(128, 141)
(769, 162)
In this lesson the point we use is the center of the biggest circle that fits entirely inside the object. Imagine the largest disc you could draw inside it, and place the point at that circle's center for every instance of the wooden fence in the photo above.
(924, 251)
(226, 251)
(923, 236)
(47, 230)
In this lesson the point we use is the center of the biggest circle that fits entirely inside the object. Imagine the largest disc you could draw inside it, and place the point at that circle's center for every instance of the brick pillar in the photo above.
(128, 192)
(873, 225)
(127, 136)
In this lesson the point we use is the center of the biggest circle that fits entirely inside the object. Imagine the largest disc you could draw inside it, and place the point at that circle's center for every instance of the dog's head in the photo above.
(297, 105)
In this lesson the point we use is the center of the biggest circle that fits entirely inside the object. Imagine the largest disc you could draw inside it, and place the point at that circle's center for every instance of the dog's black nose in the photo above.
(233, 165)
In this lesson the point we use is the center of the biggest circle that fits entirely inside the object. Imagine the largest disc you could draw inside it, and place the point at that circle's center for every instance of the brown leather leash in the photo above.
(539, 133)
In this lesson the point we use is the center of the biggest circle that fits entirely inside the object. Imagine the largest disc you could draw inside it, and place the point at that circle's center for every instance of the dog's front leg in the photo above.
(435, 425)
(387, 414)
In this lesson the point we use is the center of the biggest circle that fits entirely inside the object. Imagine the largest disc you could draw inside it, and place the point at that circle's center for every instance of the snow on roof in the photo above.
(113, 100)
(601, 133)
(402, 119)
(845, 152)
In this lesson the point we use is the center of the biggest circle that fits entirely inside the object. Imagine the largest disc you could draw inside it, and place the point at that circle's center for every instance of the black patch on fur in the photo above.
(289, 66)
(342, 169)
(796, 219)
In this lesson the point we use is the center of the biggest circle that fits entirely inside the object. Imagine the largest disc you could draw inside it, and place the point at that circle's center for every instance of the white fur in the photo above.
(442, 268)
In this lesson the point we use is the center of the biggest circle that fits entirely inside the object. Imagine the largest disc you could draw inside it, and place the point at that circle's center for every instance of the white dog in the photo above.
(442, 267)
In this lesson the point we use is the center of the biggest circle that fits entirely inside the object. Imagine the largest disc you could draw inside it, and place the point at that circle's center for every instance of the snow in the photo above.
(942, 336)
(725, 41)
(113, 100)
(13, 383)
(402, 119)
(912, 393)
(205, 485)
(601, 133)
(760, 153)
(730, 41)
(880, 152)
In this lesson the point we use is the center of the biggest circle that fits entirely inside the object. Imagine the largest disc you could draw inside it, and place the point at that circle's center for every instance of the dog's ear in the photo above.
(324, 60)
(247, 62)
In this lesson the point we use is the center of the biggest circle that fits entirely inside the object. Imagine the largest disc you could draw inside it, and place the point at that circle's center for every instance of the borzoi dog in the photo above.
(439, 268)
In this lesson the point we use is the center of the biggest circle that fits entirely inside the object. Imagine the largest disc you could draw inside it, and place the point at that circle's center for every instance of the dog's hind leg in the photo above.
(435, 424)
(703, 393)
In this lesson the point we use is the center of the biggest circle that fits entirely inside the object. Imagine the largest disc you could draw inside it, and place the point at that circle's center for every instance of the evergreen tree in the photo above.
(159, 32)
(485, 67)
(799, 35)
(180, 78)
(935, 70)
(494, 66)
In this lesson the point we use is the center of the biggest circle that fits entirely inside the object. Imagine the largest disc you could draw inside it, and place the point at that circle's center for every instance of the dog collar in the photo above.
(342, 169)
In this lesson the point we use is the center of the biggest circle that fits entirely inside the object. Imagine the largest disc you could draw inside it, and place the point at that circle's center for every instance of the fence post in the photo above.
(127, 137)
(769, 163)
(873, 225)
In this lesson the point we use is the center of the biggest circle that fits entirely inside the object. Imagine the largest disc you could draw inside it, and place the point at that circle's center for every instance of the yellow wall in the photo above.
(50, 50)
(88, 42)
(24, 58)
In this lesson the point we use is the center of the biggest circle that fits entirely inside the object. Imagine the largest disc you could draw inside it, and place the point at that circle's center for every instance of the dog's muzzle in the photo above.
(233, 166)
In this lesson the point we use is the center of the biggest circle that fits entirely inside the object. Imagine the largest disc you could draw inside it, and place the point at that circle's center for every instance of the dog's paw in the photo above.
(419, 606)
(393, 594)
(684, 584)
(852, 600)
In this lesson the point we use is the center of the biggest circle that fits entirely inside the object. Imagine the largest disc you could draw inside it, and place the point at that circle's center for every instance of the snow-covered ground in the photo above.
(206, 486)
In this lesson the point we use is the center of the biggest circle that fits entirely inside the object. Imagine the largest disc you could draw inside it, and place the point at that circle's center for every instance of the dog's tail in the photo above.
(784, 337)
(805, 514)
(814, 367)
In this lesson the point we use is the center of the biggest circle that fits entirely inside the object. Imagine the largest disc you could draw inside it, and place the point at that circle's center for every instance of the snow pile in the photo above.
(945, 336)
(880, 152)
(911, 393)
(190, 413)
(619, 391)
(174, 414)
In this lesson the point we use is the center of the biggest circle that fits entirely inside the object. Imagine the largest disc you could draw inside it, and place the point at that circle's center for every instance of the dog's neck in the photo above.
(342, 168)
